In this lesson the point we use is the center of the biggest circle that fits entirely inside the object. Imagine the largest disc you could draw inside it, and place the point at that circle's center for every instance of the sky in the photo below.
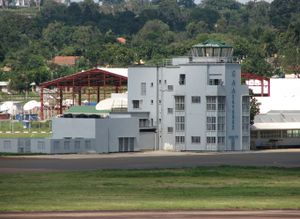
(242, 1)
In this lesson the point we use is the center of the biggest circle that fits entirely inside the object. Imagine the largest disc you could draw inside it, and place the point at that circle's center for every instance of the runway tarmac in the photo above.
(148, 160)
(267, 214)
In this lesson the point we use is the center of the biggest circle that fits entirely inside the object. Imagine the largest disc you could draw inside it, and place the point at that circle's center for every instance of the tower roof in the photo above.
(213, 43)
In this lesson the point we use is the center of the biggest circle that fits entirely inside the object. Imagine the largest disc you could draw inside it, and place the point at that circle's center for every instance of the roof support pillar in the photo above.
(73, 92)
(269, 88)
(262, 87)
(79, 96)
(42, 103)
(60, 101)
(98, 94)
(89, 91)
(104, 85)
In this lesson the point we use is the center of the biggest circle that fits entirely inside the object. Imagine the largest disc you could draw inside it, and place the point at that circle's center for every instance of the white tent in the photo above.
(32, 104)
(112, 103)
(11, 107)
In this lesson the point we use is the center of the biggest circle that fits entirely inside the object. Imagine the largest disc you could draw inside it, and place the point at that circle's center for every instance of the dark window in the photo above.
(136, 104)
(182, 79)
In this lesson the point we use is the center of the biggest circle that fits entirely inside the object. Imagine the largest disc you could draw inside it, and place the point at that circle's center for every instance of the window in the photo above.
(210, 140)
(179, 139)
(245, 123)
(254, 134)
(151, 102)
(165, 81)
(41, 145)
(170, 110)
(215, 82)
(211, 123)
(77, 145)
(179, 123)
(170, 88)
(151, 85)
(159, 81)
(7, 145)
(271, 133)
(292, 133)
(221, 140)
(221, 104)
(170, 129)
(143, 88)
(182, 79)
(144, 123)
(196, 99)
(56, 145)
(211, 102)
(136, 104)
(88, 144)
(179, 103)
(196, 140)
(221, 123)
(126, 144)
(67, 145)
(246, 104)
(245, 140)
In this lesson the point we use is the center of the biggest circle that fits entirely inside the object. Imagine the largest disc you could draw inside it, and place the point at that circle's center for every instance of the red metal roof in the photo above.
(89, 78)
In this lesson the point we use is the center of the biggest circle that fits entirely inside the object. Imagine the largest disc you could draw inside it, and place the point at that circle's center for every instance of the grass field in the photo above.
(38, 129)
(196, 188)
(25, 135)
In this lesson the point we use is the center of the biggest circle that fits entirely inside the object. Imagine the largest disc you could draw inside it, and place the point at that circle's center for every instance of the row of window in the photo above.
(214, 123)
(295, 133)
(77, 145)
(126, 144)
(181, 81)
(170, 87)
(197, 140)
(213, 103)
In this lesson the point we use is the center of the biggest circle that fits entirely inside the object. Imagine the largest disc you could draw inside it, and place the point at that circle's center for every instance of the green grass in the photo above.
(17, 126)
(25, 135)
(191, 188)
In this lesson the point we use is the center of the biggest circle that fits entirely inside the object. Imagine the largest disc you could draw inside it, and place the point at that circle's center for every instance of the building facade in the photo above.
(196, 102)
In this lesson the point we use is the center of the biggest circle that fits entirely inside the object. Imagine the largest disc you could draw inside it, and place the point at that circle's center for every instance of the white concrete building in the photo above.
(195, 102)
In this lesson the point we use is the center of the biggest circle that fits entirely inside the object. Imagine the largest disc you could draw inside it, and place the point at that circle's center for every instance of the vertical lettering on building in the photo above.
(233, 100)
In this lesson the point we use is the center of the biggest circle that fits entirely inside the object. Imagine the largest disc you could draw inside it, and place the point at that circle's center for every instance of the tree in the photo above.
(281, 12)
(254, 107)
(221, 4)
(207, 15)
(154, 31)
(290, 60)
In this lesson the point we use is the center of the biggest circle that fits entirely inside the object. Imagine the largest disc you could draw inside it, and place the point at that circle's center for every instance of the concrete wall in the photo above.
(108, 132)
(47, 146)
(73, 128)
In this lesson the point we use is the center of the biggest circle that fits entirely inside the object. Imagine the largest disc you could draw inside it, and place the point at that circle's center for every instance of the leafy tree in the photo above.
(207, 15)
(281, 12)
(254, 107)
(52, 11)
(221, 4)
(291, 59)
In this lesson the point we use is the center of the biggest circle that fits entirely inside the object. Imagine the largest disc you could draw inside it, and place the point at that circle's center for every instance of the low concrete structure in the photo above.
(276, 129)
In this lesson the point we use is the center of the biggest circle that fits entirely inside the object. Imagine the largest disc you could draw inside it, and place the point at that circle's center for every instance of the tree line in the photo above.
(266, 36)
